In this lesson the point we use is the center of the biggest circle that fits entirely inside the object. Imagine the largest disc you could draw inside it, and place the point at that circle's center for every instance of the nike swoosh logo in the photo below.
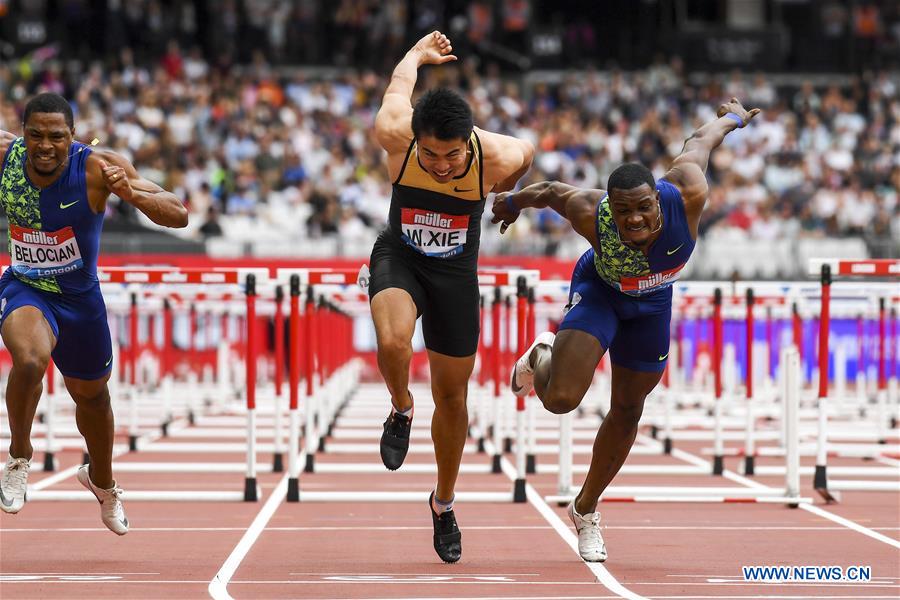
(456, 189)
(671, 252)
(663, 357)
(65, 206)
(3, 499)
(107, 362)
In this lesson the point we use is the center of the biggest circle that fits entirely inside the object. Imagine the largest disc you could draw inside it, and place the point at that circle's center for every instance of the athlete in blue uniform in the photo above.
(54, 193)
(641, 233)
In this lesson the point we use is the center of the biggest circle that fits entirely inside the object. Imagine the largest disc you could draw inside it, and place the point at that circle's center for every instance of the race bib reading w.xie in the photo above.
(433, 233)
(36, 254)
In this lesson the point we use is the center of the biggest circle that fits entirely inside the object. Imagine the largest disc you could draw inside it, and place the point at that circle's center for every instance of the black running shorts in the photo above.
(446, 294)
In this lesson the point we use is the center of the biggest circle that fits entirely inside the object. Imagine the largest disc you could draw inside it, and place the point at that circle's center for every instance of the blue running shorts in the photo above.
(83, 344)
(635, 330)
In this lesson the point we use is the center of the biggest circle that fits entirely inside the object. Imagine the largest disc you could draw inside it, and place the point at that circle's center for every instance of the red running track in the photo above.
(343, 550)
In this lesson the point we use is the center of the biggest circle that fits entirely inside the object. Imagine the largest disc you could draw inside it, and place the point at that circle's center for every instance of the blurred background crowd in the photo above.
(258, 113)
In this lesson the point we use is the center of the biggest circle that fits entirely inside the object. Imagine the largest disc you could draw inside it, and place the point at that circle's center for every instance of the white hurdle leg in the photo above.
(519, 485)
(791, 361)
(565, 454)
(50, 419)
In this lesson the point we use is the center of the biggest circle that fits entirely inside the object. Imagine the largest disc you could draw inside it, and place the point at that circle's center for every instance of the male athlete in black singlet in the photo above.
(425, 262)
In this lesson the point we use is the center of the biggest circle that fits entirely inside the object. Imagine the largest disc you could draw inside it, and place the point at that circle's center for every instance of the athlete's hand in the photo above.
(734, 106)
(504, 212)
(434, 49)
(116, 180)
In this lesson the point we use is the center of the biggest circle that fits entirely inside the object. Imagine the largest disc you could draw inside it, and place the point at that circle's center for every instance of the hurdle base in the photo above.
(192, 420)
(164, 428)
(820, 484)
(718, 465)
(654, 431)
(132, 443)
(519, 491)
(530, 464)
(495, 464)
(310, 465)
(293, 490)
(250, 493)
(507, 444)
(749, 465)
(49, 462)
(481, 445)
(277, 463)
(667, 446)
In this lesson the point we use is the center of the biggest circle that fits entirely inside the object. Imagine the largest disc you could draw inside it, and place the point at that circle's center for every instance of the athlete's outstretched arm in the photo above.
(688, 170)
(393, 128)
(114, 174)
(578, 205)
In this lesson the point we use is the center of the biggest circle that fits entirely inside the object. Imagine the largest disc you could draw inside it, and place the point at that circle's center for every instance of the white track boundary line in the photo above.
(850, 524)
(600, 572)
(688, 457)
(218, 587)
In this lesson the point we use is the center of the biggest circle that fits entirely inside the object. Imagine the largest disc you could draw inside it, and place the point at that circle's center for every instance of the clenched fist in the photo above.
(116, 180)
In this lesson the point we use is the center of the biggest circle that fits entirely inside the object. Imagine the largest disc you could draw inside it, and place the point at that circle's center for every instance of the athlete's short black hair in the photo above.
(630, 176)
(49, 103)
(444, 114)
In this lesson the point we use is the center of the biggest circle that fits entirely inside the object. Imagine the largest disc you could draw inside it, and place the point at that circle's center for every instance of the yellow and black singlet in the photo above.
(439, 220)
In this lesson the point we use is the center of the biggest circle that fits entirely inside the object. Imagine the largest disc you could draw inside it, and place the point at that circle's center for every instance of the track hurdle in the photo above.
(502, 283)
(826, 270)
(248, 279)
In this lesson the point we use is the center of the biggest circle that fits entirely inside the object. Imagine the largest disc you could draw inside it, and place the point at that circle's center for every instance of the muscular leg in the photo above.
(562, 382)
(449, 387)
(617, 433)
(394, 315)
(94, 416)
(30, 340)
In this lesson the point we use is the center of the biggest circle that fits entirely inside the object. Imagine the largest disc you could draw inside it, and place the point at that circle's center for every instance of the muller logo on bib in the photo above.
(39, 237)
(433, 233)
(649, 283)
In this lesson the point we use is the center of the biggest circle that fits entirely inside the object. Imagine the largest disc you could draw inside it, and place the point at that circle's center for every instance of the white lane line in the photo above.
(564, 531)
(468, 528)
(567, 597)
(803, 505)
(219, 584)
(377, 576)
(851, 524)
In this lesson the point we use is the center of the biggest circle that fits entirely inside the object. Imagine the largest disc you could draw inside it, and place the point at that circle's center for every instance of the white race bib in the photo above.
(433, 233)
(36, 254)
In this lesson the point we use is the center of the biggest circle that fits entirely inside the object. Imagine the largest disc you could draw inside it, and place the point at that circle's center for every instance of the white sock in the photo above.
(406, 413)
(440, 507)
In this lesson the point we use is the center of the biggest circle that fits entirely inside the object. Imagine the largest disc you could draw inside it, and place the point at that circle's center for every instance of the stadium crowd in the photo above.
(257, 148)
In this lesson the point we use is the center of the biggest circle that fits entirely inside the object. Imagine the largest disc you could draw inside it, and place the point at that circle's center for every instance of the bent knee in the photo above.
(450, 402)
(560, 404)
(394, 345)
(31, 366)
(628, 412)
(91, 399)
